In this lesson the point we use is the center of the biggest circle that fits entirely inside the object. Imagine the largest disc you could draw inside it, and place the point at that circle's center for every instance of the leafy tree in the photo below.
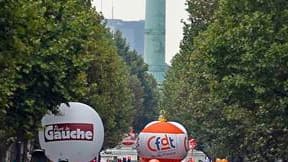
(178, 91)
(248, 54)
(53, 52)
(143, 85)
(237, 79)
(151, 103)
(109, 92)
(42, 49)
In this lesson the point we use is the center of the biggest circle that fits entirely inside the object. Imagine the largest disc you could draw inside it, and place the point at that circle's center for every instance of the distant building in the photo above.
(148, 34)
(133, 31)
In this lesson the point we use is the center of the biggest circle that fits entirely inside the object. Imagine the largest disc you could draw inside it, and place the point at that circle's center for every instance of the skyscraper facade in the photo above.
(132, 31)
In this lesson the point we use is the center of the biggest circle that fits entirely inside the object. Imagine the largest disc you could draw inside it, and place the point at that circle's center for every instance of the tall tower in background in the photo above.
(154, 38)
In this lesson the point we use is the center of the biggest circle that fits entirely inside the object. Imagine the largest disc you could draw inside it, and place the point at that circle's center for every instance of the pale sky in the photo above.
(135, 10)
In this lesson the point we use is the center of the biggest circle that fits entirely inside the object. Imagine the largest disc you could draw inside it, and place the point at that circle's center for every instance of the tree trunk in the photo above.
(18, 150)
(2, 152)
(19, 145)
(25, 151)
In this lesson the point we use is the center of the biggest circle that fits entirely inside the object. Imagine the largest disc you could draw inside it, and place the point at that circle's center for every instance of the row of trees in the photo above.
(228, 84)
(56, 51)
(143, 85)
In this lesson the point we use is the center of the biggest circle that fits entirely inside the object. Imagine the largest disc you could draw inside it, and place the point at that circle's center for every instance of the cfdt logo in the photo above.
(160, 143)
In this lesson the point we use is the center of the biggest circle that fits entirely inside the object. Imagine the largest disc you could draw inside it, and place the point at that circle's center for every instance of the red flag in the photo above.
(192, 143)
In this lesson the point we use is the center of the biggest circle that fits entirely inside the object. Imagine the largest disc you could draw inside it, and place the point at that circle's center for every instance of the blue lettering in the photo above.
(171, 142)
(157, 142)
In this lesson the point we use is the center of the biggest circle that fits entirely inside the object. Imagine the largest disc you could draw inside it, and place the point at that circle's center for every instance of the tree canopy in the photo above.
(53, 52)
(143, 85)
(233, 86)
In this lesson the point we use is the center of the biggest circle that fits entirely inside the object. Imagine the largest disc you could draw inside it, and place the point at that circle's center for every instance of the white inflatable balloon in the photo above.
(76, 134)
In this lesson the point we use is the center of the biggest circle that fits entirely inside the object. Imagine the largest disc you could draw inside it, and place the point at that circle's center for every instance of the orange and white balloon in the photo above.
(163, 140)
